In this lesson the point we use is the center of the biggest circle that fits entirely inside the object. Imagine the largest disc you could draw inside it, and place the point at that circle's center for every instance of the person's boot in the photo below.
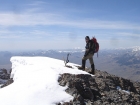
(83, 65)
(92, 69)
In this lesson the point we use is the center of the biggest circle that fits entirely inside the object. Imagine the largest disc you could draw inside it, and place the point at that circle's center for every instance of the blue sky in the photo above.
(63, 24)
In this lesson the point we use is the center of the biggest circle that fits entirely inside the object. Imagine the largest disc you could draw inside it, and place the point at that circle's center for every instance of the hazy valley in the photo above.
(121, 62)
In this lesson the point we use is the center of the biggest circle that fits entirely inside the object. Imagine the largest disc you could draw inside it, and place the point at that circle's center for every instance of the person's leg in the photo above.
(92, 65)
(91, 60)
(84, 62)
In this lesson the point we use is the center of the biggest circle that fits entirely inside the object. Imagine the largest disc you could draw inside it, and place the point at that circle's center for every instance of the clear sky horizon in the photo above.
(63, 24)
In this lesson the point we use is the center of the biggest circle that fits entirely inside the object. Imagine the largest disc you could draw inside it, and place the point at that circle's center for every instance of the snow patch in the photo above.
(35, 82)
(126, 91)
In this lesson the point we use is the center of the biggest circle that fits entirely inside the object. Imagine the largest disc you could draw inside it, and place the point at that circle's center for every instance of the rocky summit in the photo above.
(101, 89)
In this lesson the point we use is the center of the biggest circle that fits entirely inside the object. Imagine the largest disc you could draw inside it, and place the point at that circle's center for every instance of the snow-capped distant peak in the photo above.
(137, 48)
(78, 48)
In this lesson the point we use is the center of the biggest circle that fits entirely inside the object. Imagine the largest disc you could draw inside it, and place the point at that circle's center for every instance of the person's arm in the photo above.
(90, 48)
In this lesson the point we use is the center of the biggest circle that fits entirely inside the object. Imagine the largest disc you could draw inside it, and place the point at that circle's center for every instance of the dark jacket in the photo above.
(90, 46)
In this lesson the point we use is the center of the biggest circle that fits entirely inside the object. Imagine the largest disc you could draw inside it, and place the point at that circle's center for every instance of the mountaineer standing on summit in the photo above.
(89, 52)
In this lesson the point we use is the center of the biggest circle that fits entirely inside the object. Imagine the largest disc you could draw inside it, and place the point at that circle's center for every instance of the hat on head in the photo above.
(87, 37)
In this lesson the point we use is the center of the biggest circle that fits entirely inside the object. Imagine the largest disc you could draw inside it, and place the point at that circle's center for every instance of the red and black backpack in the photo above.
(96, 49)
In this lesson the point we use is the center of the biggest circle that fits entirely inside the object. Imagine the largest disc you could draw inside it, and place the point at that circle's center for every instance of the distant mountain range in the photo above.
(124, 62)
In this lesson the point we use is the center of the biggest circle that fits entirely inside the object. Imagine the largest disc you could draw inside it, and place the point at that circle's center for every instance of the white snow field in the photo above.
(35, 82)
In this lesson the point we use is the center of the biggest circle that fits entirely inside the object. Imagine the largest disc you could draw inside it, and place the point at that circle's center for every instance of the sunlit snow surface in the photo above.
(35, 82)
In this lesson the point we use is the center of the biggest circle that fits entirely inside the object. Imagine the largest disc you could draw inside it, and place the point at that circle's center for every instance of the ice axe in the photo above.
(67, 60)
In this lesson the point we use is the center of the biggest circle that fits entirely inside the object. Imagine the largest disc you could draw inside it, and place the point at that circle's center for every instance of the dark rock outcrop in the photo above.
(8, 83)
(4, 75)
(101, 89)
(5, 78)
